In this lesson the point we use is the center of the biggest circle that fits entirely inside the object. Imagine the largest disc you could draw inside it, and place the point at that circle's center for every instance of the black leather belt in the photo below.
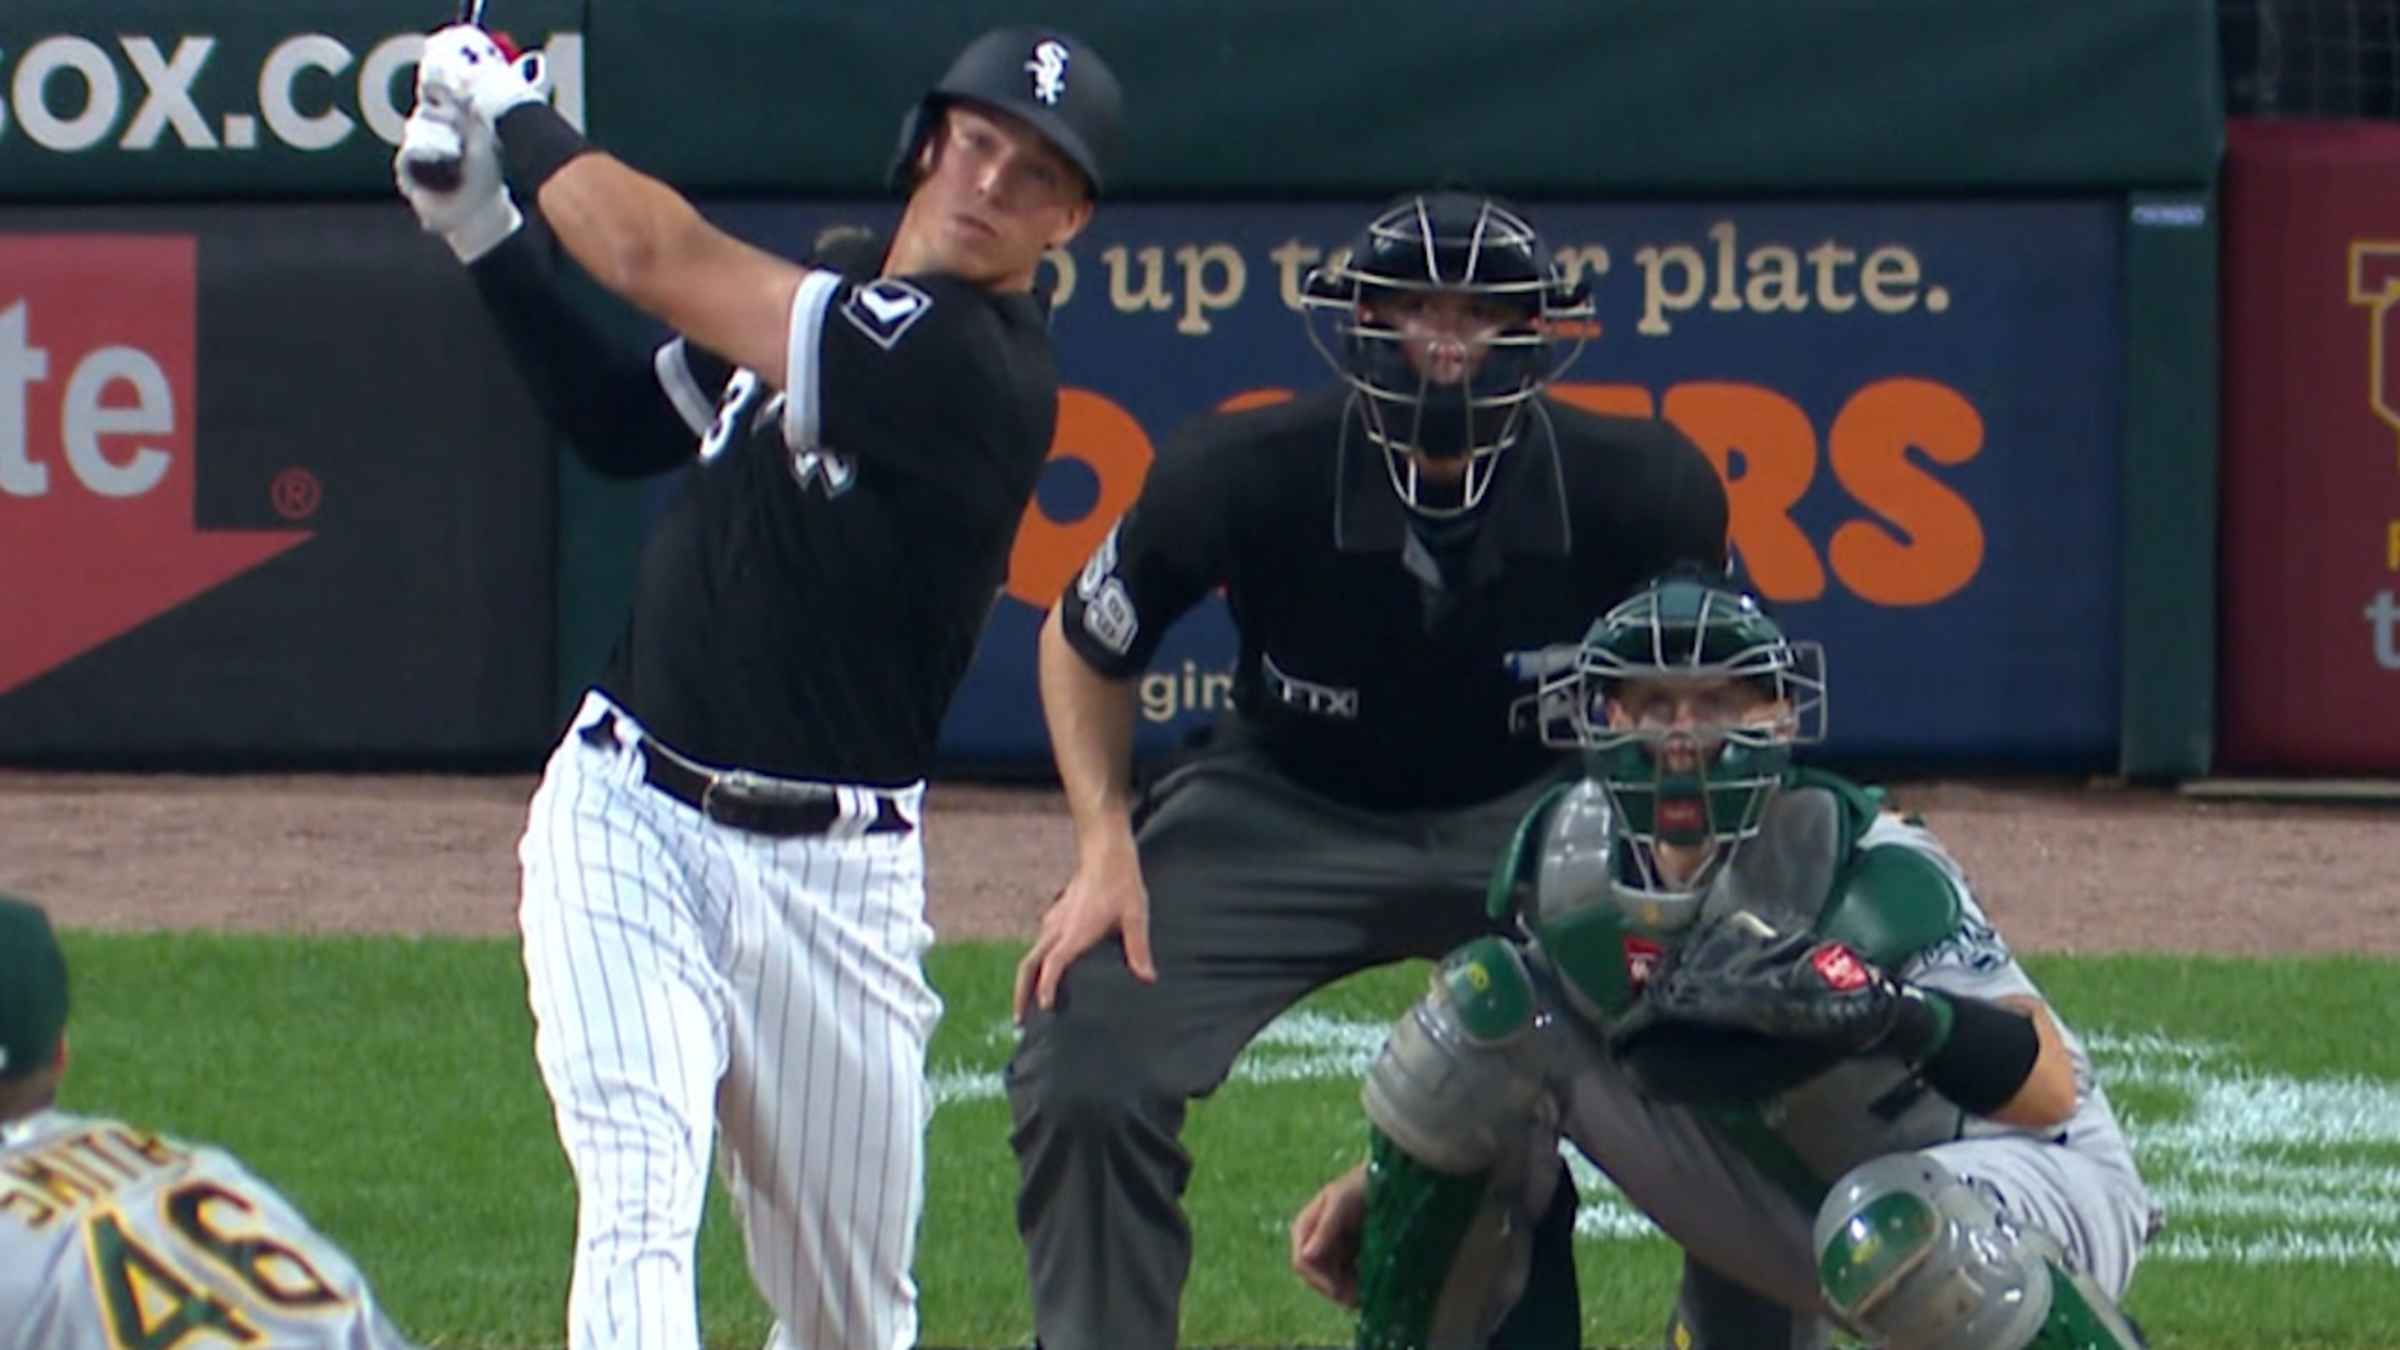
(747, 801)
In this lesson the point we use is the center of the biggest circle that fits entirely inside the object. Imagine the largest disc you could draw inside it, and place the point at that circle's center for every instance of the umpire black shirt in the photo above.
(1372, 668)
(811, 600)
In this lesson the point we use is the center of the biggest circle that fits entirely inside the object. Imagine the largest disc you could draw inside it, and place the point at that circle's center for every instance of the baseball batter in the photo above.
(114, 1236)
(1770, 1011)
(723, 905)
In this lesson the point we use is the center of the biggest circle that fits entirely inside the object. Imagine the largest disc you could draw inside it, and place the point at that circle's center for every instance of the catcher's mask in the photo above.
(1433, 244)
(1710, 697)
(1050, 79)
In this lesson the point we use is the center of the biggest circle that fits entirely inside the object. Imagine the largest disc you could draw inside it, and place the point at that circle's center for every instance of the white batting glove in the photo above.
(476, 215)
(465, 61)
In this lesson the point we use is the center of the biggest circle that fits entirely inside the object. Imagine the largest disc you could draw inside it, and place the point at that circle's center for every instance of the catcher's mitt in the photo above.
(1741, 1011)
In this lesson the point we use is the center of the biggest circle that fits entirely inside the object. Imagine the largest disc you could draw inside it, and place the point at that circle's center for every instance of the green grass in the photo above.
(388, 1087)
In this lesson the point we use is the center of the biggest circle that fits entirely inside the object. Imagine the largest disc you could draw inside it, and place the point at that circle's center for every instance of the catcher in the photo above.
(1769, 1010)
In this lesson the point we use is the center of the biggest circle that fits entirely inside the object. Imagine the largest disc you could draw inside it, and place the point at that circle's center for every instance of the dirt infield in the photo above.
(2062, 867)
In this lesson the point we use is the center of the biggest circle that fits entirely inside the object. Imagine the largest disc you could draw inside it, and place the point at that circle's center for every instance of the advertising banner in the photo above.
(218, 99)
(268, 489)
(1258, 99)
(147, 100)
(1915, 406)
(2310, 660)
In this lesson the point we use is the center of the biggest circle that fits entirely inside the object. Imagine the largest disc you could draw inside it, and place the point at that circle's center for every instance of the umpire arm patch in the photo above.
(885, 309)
(1108, 616)
(1099, 567)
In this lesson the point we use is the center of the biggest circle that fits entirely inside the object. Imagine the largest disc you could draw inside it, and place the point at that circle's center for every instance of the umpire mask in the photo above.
(1684, 765)
(1447, 316)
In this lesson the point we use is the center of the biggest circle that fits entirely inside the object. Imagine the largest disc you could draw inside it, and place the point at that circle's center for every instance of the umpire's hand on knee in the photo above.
(1104, 896)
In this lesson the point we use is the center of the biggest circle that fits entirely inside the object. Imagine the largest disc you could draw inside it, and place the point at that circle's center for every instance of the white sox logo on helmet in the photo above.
(1048, 66)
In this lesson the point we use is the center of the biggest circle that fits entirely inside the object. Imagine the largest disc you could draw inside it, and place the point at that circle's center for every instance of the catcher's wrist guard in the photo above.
(1971, 1050)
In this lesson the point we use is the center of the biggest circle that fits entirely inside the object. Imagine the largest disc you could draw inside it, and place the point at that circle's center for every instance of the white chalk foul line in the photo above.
(2318, 1159)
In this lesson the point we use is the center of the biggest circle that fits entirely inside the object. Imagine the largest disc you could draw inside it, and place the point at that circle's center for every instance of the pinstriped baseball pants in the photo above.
(689, 980)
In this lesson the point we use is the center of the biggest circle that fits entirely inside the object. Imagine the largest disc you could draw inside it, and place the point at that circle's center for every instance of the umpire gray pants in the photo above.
(1260, 892)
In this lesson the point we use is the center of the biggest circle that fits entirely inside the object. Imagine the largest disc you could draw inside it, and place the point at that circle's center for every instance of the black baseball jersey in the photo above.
(1372, 665)
(810, 601)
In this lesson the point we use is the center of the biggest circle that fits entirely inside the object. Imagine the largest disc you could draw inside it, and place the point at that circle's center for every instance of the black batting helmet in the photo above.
(1051, 80)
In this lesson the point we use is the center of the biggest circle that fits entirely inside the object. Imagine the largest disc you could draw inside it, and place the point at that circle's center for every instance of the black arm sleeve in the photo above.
(1971, 1050)
(589, 359)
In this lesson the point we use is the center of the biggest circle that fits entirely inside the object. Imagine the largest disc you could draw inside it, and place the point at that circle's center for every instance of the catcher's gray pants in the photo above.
(1712, 1312)
(1260, 892)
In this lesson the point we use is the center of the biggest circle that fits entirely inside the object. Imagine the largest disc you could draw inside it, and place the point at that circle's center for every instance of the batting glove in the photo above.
(467, 63)
(477, 214)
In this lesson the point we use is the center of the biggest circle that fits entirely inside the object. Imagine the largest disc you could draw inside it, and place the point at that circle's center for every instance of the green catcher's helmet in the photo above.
(1698, 781)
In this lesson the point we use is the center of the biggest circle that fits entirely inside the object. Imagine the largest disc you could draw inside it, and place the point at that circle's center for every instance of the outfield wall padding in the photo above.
(2311, 541)
(276, 493)
(148, 99)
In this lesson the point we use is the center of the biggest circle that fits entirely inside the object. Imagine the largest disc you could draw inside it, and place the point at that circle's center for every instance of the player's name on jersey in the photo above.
(80, 1169)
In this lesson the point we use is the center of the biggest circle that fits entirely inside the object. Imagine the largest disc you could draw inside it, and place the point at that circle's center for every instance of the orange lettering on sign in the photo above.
(1922, 544)
(1615, 400)
(1108, 440)
(1766, 452)
(1934, 543)
(1255, 398)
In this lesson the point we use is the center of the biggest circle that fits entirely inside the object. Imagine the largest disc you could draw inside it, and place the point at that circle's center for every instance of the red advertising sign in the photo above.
(98, 409)
(2311, 516)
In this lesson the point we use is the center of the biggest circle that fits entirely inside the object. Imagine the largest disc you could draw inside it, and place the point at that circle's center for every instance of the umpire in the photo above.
(1384, 545)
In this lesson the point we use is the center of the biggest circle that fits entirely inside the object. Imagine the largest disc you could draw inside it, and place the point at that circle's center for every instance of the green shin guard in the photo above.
(2083, 1318)
(1434, 1257)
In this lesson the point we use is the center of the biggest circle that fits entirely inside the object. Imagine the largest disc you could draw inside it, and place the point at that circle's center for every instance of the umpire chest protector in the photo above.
(1371, 671)
(1806, 868)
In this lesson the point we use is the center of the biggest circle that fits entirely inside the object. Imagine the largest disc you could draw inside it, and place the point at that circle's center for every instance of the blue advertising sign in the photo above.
(1915, 406)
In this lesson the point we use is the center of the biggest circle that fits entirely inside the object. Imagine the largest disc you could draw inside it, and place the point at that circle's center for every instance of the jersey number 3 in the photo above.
(740, 410)
(148, 1302)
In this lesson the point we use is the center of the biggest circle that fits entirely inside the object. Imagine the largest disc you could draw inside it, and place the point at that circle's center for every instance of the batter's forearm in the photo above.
(1091, 737)
(624, 227)
(590, 371)
(614, 222)
(639, 238)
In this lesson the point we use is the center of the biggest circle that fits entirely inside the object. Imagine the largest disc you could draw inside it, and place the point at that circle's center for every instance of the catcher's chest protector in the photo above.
(1605, 944)
(1803, 868)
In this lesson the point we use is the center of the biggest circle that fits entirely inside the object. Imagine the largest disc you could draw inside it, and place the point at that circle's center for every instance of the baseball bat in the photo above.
(441, 172)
